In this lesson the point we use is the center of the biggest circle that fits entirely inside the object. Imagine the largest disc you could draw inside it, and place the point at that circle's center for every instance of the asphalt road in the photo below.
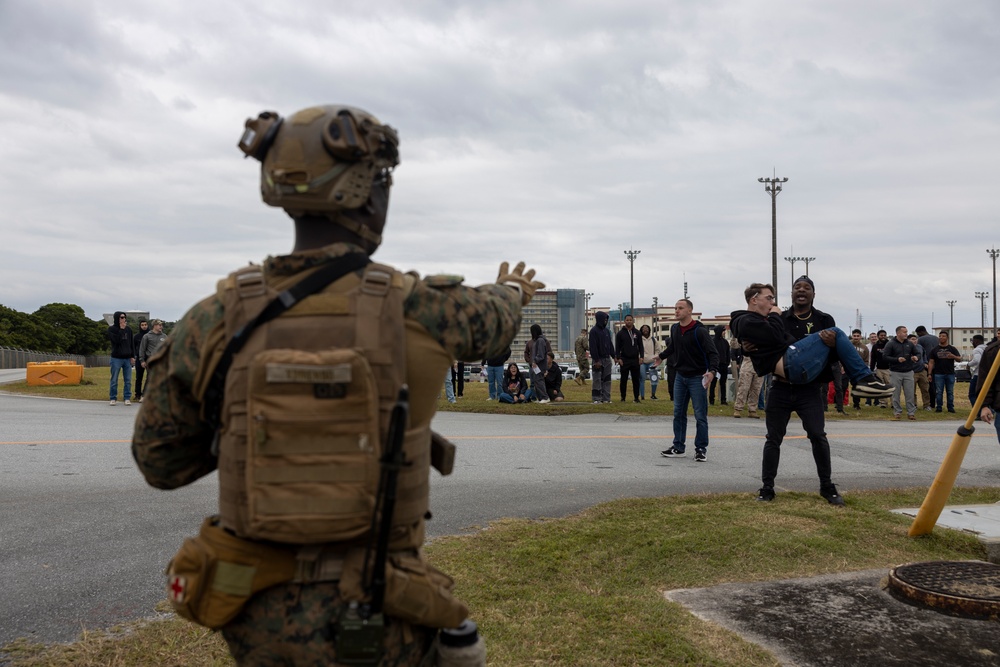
(84, 541)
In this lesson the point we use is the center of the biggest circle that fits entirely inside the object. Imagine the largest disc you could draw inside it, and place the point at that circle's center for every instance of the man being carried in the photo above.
(796, 347)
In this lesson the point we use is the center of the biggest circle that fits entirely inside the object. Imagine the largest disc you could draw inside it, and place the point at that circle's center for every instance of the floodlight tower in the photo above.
(772, 186)
(982, 296)
(951, 307)
(631, 254)
(807, 260)
(993, 254)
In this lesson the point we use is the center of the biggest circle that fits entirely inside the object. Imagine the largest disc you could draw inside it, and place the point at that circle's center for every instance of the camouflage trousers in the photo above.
(584, 364)
(748, 389)
(294, 625)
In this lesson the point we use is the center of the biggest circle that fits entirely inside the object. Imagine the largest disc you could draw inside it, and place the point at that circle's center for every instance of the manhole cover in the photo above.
(966, 588)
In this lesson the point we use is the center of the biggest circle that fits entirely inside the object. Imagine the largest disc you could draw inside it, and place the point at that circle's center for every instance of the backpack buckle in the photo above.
(377, 282)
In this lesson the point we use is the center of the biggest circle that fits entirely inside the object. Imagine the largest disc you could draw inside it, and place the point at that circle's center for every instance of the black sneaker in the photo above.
(766, 494)
(673, 452)
(831, 495)
(699, 457)
(872, 387)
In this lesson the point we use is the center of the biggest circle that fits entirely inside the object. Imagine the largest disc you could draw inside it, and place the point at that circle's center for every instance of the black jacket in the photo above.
(500, 360)
(992, 398)
(722, 347)
(122, 340)
(768, 334)
(893, 350)
(553, 379)
(693, 352)
(628, 348)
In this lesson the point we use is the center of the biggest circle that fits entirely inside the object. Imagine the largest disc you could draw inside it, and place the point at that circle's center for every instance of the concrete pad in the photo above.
(843, 620)
(983, 520)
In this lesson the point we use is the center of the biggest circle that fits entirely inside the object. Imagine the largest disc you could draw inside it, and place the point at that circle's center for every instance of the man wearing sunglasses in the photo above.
(797, 347)
(122, 357)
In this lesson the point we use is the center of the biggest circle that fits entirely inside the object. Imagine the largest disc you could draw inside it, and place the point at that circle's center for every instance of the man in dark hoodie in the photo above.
(795, 347)
(602, 351)
(697, 363)
(122, 356)
(722, 347)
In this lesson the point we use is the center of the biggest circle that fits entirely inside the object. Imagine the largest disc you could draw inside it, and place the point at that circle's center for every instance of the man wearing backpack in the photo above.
(290, 380)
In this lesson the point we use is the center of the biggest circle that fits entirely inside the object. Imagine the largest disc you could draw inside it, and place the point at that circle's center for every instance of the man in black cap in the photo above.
(807, 400)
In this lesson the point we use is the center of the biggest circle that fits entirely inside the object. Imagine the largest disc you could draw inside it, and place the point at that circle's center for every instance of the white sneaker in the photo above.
(544, 401)
(113, 402)
(128, 402)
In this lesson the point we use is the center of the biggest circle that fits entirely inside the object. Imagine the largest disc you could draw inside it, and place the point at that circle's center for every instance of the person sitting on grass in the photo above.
(515, 387)
(553, 378)
(773, 350)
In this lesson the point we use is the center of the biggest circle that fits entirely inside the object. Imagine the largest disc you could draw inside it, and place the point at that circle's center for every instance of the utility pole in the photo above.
(807, 260)
(586, 307)
(685, 285)
(982, 296)
(951, 307)
(993, 254)
(772, 186)
(631, 254)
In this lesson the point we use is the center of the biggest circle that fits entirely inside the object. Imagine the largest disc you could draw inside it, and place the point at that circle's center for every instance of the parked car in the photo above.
(962, 373)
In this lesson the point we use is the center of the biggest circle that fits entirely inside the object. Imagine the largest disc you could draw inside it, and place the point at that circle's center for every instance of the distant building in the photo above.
(961, 337)
(561, 313)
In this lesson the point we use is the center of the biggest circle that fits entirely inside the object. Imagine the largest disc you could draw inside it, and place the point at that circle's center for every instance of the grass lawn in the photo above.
(95, 388)
(588, 589)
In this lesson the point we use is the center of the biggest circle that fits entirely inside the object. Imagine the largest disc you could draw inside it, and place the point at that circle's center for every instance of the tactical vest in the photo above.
(306, 413)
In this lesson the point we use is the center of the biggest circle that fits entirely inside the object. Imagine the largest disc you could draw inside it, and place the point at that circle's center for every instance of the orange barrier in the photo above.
(46, 373)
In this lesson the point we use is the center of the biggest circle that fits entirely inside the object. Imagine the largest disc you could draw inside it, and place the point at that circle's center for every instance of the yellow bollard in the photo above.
(47, 373)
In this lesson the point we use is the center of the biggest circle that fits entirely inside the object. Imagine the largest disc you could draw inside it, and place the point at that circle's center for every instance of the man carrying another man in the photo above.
(796, 347)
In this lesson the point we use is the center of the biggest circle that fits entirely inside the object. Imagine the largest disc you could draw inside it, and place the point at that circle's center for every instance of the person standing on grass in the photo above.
(149, 344)
(602, 352)
(628, 354)
(650, 349)
(941, 368)
(139, 368)
(902, 355)
(494, 373)
(697, 363)
(122, 357)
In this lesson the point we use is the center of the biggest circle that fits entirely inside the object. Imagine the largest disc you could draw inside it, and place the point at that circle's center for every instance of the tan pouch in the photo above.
(416, 591)
(214, 574)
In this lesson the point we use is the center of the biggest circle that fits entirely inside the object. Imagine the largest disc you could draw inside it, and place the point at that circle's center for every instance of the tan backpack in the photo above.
(306, 404)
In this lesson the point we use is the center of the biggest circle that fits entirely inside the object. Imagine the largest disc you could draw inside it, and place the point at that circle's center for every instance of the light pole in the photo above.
(807, 260)
(586, 307)
(951, 307)
(993, 254)
(631, 254)
(792, 260)
(772, 186)
(982, 311)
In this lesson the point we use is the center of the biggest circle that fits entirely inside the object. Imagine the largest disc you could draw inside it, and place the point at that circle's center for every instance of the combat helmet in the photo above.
(324, 161)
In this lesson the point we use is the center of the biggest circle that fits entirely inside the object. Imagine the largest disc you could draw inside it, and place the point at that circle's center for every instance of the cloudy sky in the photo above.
(560, 133)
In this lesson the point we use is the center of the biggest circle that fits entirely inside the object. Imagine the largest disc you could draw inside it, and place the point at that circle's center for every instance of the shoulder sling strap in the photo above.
(313, 283)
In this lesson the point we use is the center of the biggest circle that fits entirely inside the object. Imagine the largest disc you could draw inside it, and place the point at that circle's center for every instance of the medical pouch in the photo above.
(215, 573)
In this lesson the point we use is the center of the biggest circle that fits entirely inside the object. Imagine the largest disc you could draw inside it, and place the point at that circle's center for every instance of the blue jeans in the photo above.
(654, 378)
(494, 376)
(118, 365)
(807, 358)
(449, 388)
(942, 382)
(686, 389)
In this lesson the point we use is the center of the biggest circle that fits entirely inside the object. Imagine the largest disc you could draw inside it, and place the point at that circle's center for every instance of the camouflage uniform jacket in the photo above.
(582, 346)
(172, 442)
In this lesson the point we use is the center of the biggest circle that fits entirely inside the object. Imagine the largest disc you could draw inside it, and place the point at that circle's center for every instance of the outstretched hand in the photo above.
(520, 280)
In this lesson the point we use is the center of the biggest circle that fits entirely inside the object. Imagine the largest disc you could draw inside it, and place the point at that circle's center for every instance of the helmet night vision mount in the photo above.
(322, 160)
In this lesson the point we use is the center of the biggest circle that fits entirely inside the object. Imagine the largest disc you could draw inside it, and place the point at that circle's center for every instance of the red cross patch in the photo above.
(176, 588)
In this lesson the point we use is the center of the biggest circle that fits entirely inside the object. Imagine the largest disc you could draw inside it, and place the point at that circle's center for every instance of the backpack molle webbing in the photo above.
(306, 408)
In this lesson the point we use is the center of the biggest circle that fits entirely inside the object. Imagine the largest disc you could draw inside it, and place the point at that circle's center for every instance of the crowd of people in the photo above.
(131, 350)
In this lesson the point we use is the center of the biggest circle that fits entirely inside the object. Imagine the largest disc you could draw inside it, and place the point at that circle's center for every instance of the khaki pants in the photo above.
(920, 379)
(883, 375)
(748, 389)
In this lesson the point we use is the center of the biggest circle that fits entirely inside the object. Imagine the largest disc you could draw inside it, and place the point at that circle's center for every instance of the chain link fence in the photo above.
(15, 358)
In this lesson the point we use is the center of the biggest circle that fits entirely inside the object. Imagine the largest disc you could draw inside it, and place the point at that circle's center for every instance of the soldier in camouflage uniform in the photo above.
(293, 623)
(582, 360)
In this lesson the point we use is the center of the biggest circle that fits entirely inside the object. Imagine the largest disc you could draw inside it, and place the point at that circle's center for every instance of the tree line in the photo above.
(61, 328)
